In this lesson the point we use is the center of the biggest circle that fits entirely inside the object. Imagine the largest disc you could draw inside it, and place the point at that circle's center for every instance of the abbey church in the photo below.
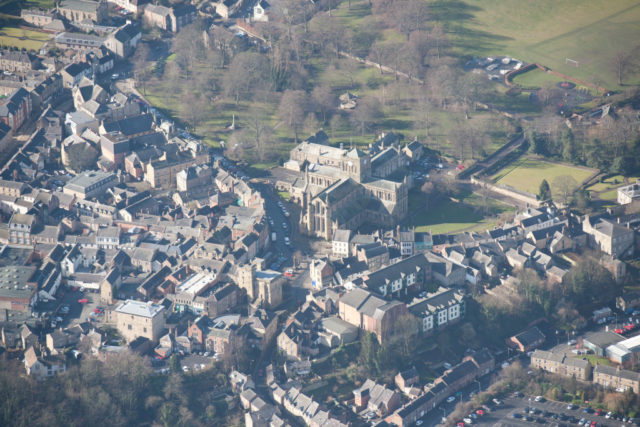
(340, 188)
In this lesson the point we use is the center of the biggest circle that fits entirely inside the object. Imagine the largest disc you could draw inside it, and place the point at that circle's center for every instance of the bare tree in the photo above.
(621, 65)
(324, 101)
(221, 40)
(193, 109)
(431, 193)
(292, 110)
(246, 71)
(367, 113)
(377, 54)
(563, 187)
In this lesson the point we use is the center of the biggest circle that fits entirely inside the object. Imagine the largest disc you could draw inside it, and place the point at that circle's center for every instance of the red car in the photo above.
(97, 310)
(619, 331)
(83, 301)
(480, 412)
(288, 273)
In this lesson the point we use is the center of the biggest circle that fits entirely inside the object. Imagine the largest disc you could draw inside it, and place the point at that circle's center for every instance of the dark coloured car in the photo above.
(516, 415)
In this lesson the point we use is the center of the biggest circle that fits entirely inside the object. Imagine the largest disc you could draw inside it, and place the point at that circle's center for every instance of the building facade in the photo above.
(140, 319)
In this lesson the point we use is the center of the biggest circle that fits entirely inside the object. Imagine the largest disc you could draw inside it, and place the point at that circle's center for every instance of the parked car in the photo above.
(451, 399)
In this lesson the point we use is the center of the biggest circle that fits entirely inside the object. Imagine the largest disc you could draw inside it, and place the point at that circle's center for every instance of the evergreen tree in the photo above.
(545, 190)
(539, 144)
(569, 148)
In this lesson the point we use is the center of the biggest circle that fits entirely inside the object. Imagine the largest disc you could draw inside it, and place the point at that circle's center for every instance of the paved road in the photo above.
(279, 221)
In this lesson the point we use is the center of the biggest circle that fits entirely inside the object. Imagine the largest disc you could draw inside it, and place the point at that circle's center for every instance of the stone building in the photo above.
(616, 378)
(561, 364)
(79, 10)
(342, 189)
(17, 61)
(140, 319)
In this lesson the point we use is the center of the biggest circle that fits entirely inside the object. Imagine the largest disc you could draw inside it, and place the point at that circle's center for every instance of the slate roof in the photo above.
(131, 125)
(530, 336)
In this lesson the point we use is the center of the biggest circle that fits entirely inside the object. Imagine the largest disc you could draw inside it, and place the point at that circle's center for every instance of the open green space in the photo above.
(451, 216)
(527, 173)
(548, 32)
(609, 183)
(20, 38)
(610, 195)
(596, 360)
(535, 79)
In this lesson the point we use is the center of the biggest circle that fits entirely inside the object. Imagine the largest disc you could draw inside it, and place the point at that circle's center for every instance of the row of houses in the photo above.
(472, 366)
(610, 377)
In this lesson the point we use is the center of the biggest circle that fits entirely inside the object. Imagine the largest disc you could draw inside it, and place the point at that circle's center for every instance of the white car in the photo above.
(451, 399)
(419, 422)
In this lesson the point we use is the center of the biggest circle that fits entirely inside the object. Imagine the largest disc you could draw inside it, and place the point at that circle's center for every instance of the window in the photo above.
(429, 322)
(145, 330)
(442, 317)
(129, 326)
(454, 312)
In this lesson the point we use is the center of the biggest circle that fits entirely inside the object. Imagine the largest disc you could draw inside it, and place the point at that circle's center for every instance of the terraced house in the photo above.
(616, 378)
(561, 364)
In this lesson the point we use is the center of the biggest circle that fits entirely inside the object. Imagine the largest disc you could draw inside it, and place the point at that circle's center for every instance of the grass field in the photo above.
(548, 32)
(596, 360)
(611, 195)
(17, 37)
(527, 173)
(448, 216)
(536, 78)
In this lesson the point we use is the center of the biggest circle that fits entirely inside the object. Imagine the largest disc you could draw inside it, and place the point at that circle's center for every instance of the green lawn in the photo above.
(448, 216)
(535, 78)
(527, 173)
(547, 32)
(17, 37)
(593, 359)
(611, 195)
(608, 184)
(285, 195)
